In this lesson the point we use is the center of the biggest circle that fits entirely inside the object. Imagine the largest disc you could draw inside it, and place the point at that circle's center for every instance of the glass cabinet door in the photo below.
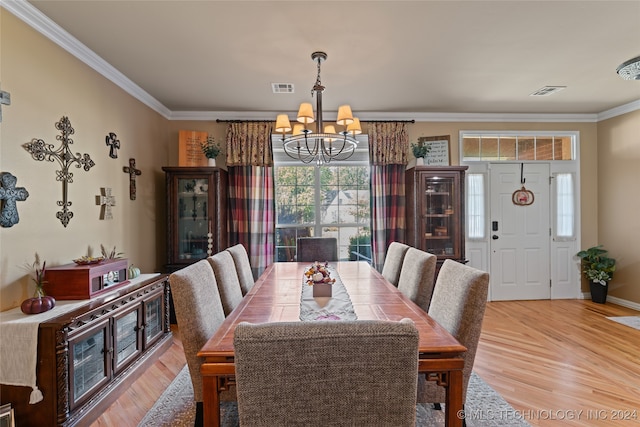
(193, 221)
(90, 362)
(440, 218)
(126, 338)
(153, 319)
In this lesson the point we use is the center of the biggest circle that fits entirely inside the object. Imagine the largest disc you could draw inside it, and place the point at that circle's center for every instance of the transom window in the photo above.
(506, 147)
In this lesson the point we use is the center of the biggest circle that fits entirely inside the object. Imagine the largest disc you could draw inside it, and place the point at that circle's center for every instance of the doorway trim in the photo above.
(564, 265)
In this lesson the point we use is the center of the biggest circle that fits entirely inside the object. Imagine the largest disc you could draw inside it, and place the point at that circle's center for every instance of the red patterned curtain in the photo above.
(251, 191)
(388, 145)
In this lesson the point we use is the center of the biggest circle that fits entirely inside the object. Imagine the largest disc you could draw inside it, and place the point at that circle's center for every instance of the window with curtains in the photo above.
(331, 200)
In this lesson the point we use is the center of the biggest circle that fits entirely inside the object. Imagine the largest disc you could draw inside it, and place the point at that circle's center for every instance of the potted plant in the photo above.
(420, 151)
(598, 268)
(211, 150)
(40, 302)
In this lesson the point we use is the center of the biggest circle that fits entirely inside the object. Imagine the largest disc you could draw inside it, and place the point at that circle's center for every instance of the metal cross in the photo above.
(63, 155)
(10, 194)
(106, 200)
(113, 143)
(133, 172)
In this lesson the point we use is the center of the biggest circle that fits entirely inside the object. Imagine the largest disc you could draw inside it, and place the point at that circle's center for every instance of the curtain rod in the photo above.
(271, 121)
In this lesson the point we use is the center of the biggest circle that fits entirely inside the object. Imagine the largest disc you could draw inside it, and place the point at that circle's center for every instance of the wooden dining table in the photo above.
(276, 297)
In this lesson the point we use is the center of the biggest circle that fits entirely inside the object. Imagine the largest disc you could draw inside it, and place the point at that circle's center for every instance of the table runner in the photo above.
(19, 342)
(336, 307)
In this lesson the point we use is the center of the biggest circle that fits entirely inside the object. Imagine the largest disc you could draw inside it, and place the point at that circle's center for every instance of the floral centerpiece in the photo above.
(318, 274)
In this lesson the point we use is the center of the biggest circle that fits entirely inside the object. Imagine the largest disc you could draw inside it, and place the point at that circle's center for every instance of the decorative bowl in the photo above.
(86, 260)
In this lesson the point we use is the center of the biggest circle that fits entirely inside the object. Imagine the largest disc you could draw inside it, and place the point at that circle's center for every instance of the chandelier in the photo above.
(323, 144)
(630, 70)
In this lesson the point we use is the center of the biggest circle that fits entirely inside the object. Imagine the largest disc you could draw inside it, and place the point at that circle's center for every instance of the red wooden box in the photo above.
(73, 281)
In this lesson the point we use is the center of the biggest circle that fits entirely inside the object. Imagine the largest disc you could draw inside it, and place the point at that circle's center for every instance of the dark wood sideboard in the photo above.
(87, 357)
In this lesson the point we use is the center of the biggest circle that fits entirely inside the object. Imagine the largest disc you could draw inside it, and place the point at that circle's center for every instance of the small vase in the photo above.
(212, 162)
(420, 161)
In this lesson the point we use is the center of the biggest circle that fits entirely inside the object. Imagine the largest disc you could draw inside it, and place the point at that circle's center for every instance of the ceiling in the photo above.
(387, 59)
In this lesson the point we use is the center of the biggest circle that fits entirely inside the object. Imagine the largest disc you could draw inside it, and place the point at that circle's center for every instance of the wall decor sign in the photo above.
(438, 150)
(106, 201)
(133, 172)
(41, 151)
(113, 143)
(9, 195)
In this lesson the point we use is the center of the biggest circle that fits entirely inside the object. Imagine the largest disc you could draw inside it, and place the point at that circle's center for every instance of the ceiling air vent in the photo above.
(282, 87)
(547, 90)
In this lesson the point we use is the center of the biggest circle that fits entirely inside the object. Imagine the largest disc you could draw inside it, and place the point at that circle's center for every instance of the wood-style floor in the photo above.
(556, 362)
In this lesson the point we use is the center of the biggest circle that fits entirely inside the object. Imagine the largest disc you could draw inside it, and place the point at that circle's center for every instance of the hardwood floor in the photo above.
(556, 362)
(553, 359)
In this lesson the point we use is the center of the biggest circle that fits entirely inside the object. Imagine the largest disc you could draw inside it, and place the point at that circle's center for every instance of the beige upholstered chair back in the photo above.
(227, 278)
(198, 313)
(243, 267)
(458, 304)
(317, 249)
(393, 262)
(346, 373)
(417, 276)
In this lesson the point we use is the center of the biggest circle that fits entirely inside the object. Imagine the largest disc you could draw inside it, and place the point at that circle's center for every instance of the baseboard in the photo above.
(616, 300)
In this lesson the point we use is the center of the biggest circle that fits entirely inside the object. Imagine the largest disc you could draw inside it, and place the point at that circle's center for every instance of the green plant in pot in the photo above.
(420, 151)
(210, 149)
(598, 268)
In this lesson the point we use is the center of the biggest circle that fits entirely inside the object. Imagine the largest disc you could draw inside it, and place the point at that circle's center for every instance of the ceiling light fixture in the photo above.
(326, 144)
(630, 70)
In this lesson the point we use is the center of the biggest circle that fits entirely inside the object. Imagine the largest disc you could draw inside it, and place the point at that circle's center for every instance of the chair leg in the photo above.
(199, 415)
(438, 407)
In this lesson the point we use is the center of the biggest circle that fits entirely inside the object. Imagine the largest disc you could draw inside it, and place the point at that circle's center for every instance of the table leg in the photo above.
(454, 404)
(211, 404)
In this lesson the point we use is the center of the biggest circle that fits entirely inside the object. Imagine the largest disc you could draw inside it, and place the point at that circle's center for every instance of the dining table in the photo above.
(279, 295)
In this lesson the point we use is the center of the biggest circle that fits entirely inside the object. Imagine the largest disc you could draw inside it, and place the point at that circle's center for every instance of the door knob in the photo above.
(494, 237)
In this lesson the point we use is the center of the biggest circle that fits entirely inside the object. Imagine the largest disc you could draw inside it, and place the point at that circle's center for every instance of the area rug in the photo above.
(484, 408)
(632, 321)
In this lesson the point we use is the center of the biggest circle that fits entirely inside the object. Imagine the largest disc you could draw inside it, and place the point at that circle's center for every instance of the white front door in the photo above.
(520, 234)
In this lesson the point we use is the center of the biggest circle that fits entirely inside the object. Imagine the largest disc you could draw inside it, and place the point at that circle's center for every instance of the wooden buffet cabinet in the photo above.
(88, 356)
(435, 211)
(196, 206)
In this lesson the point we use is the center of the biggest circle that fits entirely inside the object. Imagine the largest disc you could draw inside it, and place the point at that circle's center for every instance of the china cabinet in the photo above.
(435, 211)
(196, 214)
(87, 356)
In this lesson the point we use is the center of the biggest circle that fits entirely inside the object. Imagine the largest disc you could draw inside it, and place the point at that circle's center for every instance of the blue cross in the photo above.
(10, 194)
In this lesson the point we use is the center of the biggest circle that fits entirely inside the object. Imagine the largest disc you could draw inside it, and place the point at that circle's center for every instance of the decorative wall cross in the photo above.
(63, 155)
(113, 143)
(5, 99)
(106, 200)
(133, 172)
(9, 194)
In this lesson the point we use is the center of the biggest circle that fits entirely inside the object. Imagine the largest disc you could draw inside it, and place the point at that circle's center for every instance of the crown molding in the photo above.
(618, 111)
(43, 24)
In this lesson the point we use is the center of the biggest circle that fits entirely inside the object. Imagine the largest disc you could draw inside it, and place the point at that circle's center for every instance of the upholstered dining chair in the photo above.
(393, 262)
(417, 276)
(243, 267)
(224, 268)
(347, 373)
(199, 313)
(458, 304)
(317, 249)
